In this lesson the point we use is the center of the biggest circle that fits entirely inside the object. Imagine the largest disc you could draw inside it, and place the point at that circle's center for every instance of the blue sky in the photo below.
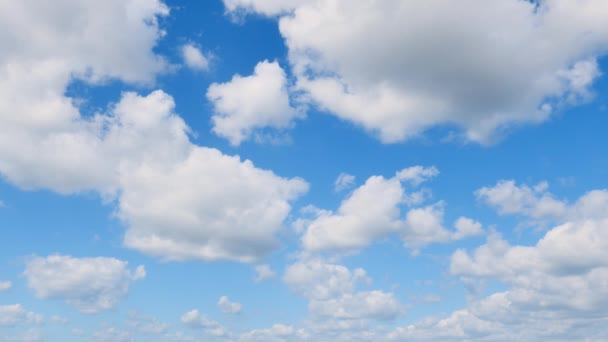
(303, 170)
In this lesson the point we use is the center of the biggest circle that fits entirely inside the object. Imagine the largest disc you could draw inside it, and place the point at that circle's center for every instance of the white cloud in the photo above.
(219, 207)
(334, 302)
(43, 141)
(5, 285)
(343, 182)
(197, 320)
(555, 289)
(229, 307)
(247, 104)
(320, 280)
(263, 272)
(194, 58)
(11, 315)
(537, 203)
(361, 219)
(266, 7)
(375, 305)
(512, 62)
(129, 152)
(90, 285)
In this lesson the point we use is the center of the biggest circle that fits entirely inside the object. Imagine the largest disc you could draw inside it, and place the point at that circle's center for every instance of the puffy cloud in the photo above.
(334, 304)
(245, 105)
(194, 58)
(217, 207)
(5, 285)
(209, 206)
(555, 289)
(320, 280)
(11, 315)
(109, 40)
(362, 218)
(229, 307)
(263, 272)
(513, 62)
(537, 203)
(376, 305)
(89, 284)
(197, 320)
(509, 198)
(343, 182)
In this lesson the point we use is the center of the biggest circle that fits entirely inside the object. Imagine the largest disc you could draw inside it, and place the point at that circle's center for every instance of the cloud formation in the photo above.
(513, 62)
(90, 285)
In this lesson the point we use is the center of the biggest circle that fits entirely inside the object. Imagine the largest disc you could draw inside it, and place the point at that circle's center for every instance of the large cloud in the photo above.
(89, 284)
(178, 200)
(397, 68)
(43, 140)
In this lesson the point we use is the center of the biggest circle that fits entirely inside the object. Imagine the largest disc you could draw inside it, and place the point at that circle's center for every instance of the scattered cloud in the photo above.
(361, 219)
(263, 272)
(512, 63)
(93, 285)
(344, 182)
(247, 104)
(5, 285)
(229, 307)
(194, 58)
(14, 314)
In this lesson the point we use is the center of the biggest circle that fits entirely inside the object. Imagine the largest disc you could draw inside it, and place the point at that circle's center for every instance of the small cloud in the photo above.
(194, 58)
(343, 182)
(229, 307)
(5, 286)
(263, 272)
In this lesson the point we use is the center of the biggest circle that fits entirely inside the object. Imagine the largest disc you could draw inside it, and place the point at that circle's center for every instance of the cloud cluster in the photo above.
(11, 315)
(90, 285)
(555, 289)
(510, 62)
(179, 201)
(335, 304)
(362, 218)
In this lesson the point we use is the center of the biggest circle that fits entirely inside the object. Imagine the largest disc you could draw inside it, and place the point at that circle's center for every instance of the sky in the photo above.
(303, 170)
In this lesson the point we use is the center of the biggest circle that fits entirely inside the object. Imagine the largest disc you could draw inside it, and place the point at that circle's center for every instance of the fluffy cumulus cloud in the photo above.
(90, 285)
(246, 104)
(229, 307)
(194, 58)
(209, 206)
(537, 203)
(362, 219)
(512, 62)
(336, 306)
(197, 320)
(97, 42)
(555, 289)
(177, 200)
(11, 315)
